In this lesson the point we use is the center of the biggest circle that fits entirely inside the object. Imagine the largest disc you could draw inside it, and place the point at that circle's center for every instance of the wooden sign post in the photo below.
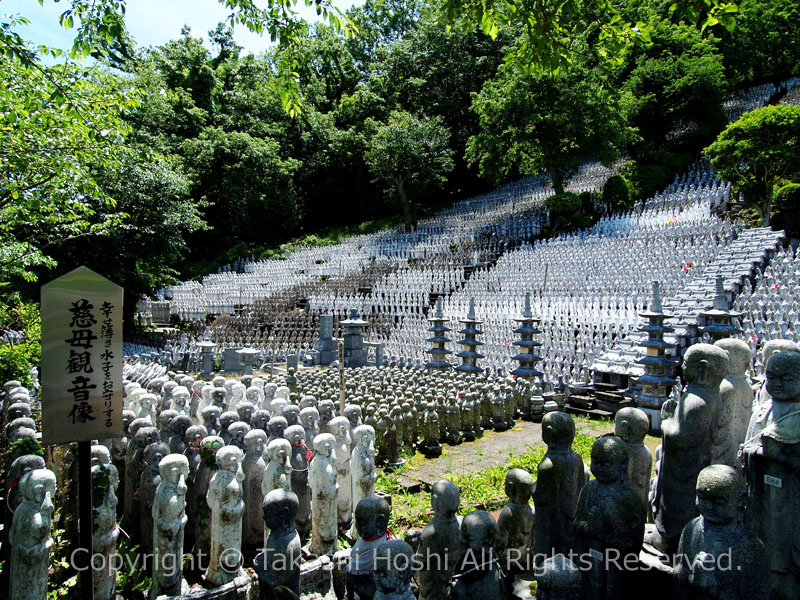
(82, 379)
(340, 350)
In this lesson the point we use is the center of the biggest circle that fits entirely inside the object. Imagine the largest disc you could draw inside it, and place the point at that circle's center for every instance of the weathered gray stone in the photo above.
(169, 518)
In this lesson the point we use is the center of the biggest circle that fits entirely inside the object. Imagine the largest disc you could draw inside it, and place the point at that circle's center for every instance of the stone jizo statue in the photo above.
(718, 557)
(440, 544)
(631, 425)
(479, 575)
(322, 479)
(30, 536)
(224, 497)
(372, 521)
(610, 520)
(393, 571)
(279, 564)
(686, 447)
(169, 522)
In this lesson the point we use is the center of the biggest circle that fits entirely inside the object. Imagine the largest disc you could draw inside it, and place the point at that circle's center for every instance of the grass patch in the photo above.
(480, 490)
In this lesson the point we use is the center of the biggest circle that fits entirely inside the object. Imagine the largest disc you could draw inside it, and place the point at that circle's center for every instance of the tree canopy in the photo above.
(758, 151)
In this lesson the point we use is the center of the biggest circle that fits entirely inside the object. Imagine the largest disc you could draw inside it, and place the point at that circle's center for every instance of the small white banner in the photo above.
(81, 380)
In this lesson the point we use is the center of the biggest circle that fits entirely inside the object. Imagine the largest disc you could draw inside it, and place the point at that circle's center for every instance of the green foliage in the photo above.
(566, 213)
(57, 123)
(786, 209)
(409, 155)
(672, 92)
(758, 151)
(617, 194)
(16, 360)
(132, 580)
(762, 47)
(555, 123)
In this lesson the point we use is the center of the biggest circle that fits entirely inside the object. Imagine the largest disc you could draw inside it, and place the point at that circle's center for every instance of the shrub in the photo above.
(786, 210)
(617, 194)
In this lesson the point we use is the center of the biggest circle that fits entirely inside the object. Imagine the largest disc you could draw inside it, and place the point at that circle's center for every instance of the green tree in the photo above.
(672, 92)
(156, 218)
(409, 155)
(758, 151)
(554, 123)
(57, 123)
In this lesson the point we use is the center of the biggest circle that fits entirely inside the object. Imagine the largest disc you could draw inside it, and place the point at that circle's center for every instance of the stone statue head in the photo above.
(324, 444)
(17, 410)
(720, 493)
(558, 579)
(739, 354)
(353, 414)
(100, 455)
(631, 424)
(445, 497)
(181, 396)
(519, 486)
(558, 430)
(478, 530)
(211, 415)
(39, 487)
(340, 427)
(609, 459)
(218, 396)
(705, 365)
(146, 436)
(238, 390)
(277, 426)
(228, 418)
(166, 417)
(238, 431)
(229, 458)
(325, 408)
(291, 413)
(783, 377)
(255, 440)
(155, 452)
(309, 415)
(773, 346)
(308, 401)
(295, 434)
(195, 434)
(392, 569)
(127, 418)
(253, 395)
(372, 517)
(180, 424)
(174, 468)
(245, 410)
(279, 450)
(364, 436)
(260, 419)
(280, 508)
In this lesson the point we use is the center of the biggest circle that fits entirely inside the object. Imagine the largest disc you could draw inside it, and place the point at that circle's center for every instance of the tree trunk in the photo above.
(558, 179)
(400, 186)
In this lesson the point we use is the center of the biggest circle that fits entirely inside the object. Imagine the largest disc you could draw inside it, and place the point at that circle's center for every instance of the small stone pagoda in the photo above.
(527, 358)
(657, 380)
(719, 318)
(469, 355)
(438, 351)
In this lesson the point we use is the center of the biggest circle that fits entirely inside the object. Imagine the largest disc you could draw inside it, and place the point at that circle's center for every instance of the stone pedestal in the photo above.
(325, 345)
(206, 358)
(247, 357)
